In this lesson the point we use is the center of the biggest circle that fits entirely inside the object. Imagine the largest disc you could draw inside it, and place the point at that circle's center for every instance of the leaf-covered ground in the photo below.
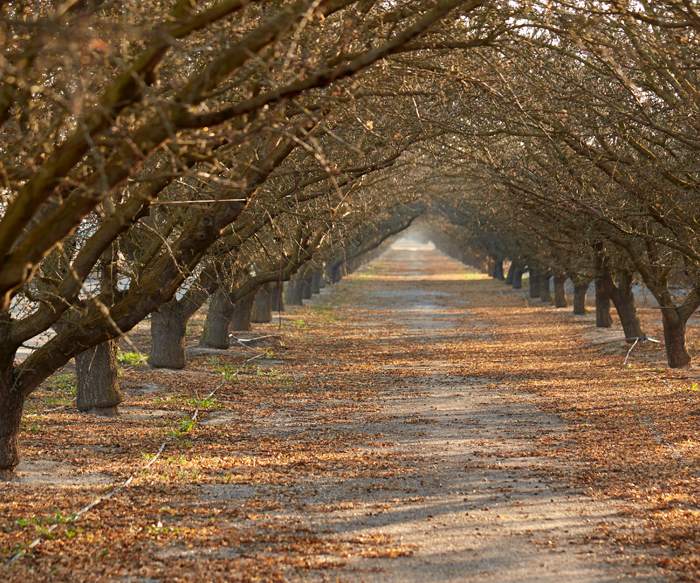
(326, 458)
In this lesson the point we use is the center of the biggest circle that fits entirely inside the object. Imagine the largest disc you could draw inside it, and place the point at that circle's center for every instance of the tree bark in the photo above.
(560, 300)
(545, 295)
(677, 354)
(277, 297)
(674, 317)
(306, 285)
(534, 282)
(498, 270)
(168, 327)
(243, 312)
(216, 328)
(580, 299)
(169, 322)
(334, 272)
(98, 380)
(603, 317)
(623, 298)
(511, 274)
(315, 282)
(294, 289)
(11, 405)
(517, 278)
(262, 308)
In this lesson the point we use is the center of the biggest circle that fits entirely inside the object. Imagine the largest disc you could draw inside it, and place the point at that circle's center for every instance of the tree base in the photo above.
(103, 411)
(7, 475)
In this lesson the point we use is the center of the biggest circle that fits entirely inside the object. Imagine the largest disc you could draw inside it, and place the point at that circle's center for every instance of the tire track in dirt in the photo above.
(478, 501)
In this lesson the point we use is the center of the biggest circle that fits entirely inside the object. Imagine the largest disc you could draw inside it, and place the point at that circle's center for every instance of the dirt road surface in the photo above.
(484, 504)
(415, 422)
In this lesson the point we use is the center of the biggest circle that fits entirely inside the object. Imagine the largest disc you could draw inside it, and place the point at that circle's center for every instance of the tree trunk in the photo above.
(627, 311)
(545, 296)
(580, 299)
(243, 312)
(517, 278)
(315, 282)
(560, 300)
(168, 326)
(277, 297)
(11, 405)
(511, 274)
(677, 354)
(674, 318)
(334, 272)
(534, 283)
(306, 285)
(623, 298)
(498, 270)
(216, 328)
(294, 288)
(98, 380)
(262, 308)
(603, 318)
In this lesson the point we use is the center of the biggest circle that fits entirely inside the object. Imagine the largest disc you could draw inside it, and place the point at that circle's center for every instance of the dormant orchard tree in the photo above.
(103, 107)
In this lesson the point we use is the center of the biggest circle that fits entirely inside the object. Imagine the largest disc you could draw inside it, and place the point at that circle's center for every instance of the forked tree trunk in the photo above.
(11, 405)
(677, 354)
(243, 312)
(560, 300)
(603, 317)
(674, 318)
(216, 328)
(262, 308)
(545, 295)
(517, 278)
(580, 299)
(534, 282)
(98, 380)
(168, 327)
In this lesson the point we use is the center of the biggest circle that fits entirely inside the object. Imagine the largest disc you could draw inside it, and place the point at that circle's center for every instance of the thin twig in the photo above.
(629, 351)
(241, 343)
(208, 200)
(635, 338)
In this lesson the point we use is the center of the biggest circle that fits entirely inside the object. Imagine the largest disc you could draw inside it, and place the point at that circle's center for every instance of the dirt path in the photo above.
(477, 501)
(416, 422)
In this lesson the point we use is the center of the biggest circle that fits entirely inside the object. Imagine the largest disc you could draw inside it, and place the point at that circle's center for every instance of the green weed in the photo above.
(128, 358)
